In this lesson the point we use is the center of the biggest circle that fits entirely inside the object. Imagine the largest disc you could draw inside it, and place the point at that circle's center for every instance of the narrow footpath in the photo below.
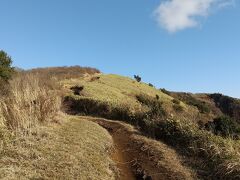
(138, 157)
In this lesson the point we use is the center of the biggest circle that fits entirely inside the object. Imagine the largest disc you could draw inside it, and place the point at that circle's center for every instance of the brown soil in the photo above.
(138, 157)
(125, 172)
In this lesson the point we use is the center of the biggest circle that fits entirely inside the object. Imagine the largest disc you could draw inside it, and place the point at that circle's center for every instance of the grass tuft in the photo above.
(28, 103)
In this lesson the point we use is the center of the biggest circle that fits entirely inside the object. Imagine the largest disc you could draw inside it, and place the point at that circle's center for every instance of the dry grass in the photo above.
(168, 162)
(146, 157)
(66, 72)
(78, 149)
(30, 101)
(32, 147)
(221, 155)
(119, 91)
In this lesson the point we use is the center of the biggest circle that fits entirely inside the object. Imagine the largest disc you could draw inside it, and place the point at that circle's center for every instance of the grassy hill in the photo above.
(154, 112)
(120, 92)
(201, 127)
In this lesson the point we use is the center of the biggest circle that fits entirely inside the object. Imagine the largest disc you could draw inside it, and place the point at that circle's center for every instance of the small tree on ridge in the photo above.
(6, 69)
(137, 78)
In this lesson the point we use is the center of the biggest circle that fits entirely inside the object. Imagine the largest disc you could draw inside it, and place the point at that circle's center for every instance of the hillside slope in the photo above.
(77, 149)
(81, 149)
(158, 114)
(120, 92)
(145, 157)
(145, 132)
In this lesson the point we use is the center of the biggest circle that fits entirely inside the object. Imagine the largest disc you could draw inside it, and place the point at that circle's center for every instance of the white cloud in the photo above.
(176, 15)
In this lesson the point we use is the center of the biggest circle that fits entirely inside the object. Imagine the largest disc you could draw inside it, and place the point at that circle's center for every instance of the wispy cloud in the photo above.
(176, 15)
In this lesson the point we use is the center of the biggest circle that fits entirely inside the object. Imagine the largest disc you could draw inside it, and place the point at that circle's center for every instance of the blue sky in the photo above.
(185, 46)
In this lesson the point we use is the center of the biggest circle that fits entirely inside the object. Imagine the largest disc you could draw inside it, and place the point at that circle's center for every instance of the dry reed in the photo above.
(29, 102)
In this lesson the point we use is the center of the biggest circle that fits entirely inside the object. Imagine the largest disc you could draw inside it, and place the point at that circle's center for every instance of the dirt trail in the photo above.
(138, 157)
(123, 165)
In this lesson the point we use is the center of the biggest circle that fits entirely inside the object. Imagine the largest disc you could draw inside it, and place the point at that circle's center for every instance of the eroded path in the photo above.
(138, 157)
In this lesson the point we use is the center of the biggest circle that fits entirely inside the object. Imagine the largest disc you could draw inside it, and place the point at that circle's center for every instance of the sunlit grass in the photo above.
(118, 91)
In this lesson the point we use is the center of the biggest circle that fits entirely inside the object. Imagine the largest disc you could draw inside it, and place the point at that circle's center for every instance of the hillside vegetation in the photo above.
(198, 133)
(153, 112)
(77, 149)
(118, 92)
(37, 141)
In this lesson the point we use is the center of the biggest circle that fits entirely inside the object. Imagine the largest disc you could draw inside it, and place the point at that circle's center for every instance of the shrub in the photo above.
(227, 105)
(220, 155)
(166, 91)
(4, 88)
(192, 101)
(95, 78)
(85, 106)
(154, 105)
(151, 85)
(224, 126)
(77, 90)
(176, 101)
(177, 107)
(137, 78)
(146, 121)
(202, 107)
(6, 70)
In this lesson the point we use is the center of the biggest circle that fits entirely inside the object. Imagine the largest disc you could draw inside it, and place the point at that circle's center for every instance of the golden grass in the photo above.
(166, 158)
(29, 102)
(78, 149)
(65, 72)
(221, 155)
(32, 147)
(119, 91)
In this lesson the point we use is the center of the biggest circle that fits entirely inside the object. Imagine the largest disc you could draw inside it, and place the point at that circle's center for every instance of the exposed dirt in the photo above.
(138, 157)
(125, 170)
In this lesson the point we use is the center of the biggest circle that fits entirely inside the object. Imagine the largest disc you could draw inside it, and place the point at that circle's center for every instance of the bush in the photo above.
(224, 126)
(85, 106)
(155, 106)
(192, 101)
(151, 85)
(77, 90)
(199, 104)
(137, 78)
(176, 101)
(95, 78)
(6, 70)
(4, 88)
(221, 155)
(166, 91)
(202, 107)
(178, 107)
(146, 121)
(227, 105)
